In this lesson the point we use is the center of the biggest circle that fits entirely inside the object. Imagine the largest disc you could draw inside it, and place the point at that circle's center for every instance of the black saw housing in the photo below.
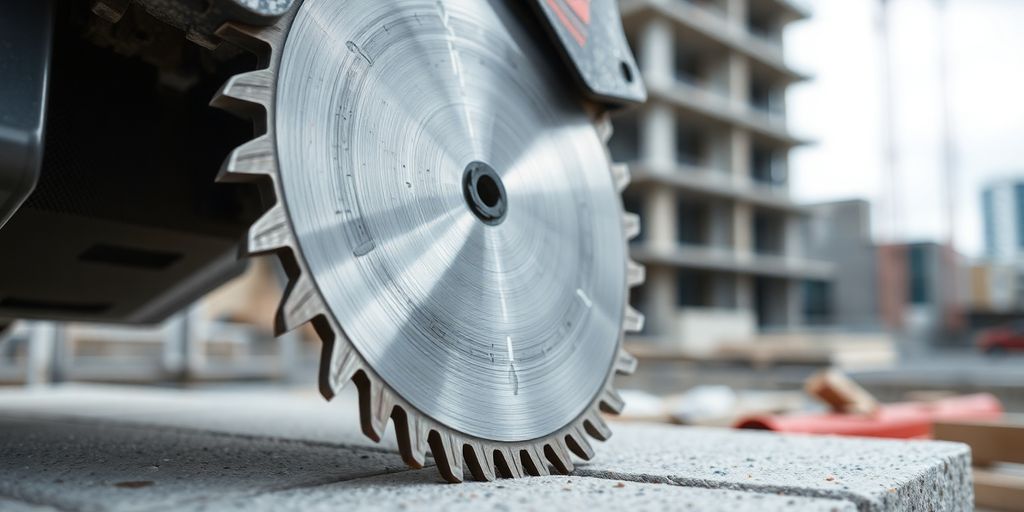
(108, 149)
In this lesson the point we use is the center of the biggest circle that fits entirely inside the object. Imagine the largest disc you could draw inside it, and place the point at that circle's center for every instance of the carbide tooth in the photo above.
(245, 90)
(381, 404)
(625, 363)
(596, 426)
(301, 303)
(620, 173)
(479, 462)
(447, 451)
(344, 363)
(631, 225)
(558, 455)
(507, 460)
(635, 273)
(254, 158)
(633, 320)
(270, 232)
(412, 432)
(611, 401)
(534, 462)
(604, 126)
(578, 443)
(371, 399)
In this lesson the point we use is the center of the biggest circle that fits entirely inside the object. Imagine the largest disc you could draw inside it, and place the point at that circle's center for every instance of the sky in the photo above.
(841, 110)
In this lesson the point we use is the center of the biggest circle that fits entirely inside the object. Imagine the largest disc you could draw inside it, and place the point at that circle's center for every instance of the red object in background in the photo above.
(1005, 338)
(900, 420)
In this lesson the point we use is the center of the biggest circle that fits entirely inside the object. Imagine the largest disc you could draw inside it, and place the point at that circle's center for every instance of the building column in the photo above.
(739, 155)
(736, 13)
(660, 218)
(743, 230)
(794, 303)
(657, 53)
(661, 301)
(658, 137)
(739, 80)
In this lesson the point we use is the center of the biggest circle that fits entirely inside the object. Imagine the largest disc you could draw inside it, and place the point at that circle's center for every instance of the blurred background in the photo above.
(822, 185)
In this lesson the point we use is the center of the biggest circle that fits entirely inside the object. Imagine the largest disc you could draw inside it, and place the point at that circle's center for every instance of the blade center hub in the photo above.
(485, 193)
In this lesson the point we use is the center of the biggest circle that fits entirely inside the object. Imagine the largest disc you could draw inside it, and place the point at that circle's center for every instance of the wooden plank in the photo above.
(991, 441)
(1000, 491)
(840, 392)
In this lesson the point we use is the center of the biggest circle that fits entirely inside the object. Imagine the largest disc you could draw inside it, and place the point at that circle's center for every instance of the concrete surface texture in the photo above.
(106, 448)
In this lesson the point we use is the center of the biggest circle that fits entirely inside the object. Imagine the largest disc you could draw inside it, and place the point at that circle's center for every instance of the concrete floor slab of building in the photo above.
(722, 238)
(115, 448)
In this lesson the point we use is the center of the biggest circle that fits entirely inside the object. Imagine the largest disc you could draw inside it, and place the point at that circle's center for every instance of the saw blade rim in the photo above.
(412, 361)
(251, 95)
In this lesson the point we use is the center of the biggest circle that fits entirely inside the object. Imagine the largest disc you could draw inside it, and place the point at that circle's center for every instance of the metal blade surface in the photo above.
(505, 331)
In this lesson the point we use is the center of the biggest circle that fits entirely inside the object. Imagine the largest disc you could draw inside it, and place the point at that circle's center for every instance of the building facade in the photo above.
(709, 158)
(1002, 208)
(840, 232)
(924, 288)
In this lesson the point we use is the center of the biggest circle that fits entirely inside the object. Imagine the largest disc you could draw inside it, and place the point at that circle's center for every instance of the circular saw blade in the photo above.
(453, 225)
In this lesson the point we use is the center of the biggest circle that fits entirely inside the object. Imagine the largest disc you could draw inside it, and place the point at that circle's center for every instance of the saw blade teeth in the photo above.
(611, 401)
(596, 426)
(479, 462)
(252, 94)
(534, 461)
(270, 232)
(558, 455)
(345, 363)
(375, 406)
(412, 433)
(244, 91)
(301, 303)
(382, 404)
(625, 363)
(254, 158)
(631, 225)
(604, 126)
(447, 451)
(633, 320)
(579, 444)
(507, 461)
(620, 173)
(635, 273)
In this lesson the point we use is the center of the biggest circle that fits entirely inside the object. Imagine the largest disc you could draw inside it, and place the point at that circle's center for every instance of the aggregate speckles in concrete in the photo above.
(875, 474)
(421, 490)
(88, 465)
(105, 448)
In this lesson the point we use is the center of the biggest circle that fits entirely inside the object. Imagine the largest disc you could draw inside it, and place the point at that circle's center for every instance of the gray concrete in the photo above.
(874, 474)
(99, 448)
(417, 490)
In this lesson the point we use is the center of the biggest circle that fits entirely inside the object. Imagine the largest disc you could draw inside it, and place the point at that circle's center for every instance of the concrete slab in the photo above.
(107, 448)
(9, 505)
(875, 474)
(92, 465)
(422, 490)
(297, 414)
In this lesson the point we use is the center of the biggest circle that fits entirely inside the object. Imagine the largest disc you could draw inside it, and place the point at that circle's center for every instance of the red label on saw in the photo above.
(574, 15)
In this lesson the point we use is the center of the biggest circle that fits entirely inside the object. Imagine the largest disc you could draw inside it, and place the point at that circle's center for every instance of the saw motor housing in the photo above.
(108, 150)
